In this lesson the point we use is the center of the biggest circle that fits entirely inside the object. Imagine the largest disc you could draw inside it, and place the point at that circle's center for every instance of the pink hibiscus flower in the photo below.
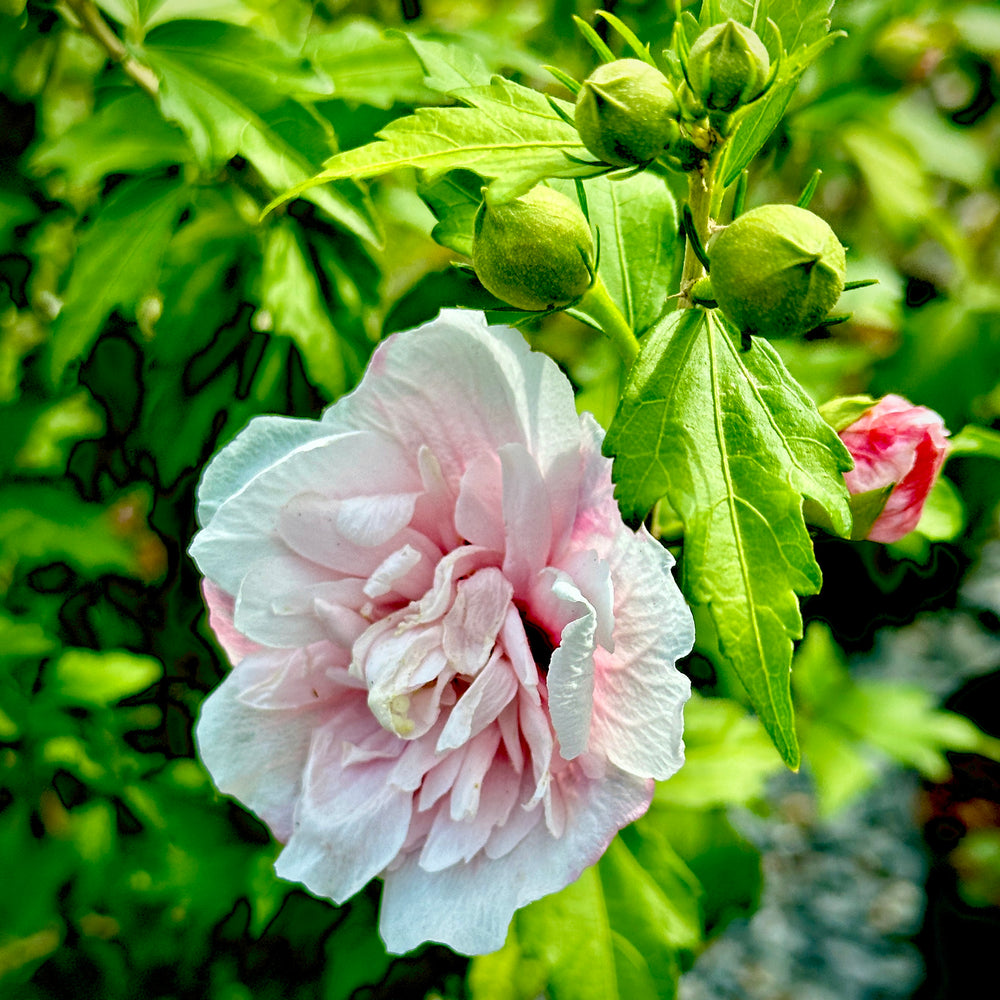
(896, 442)
(454, 665)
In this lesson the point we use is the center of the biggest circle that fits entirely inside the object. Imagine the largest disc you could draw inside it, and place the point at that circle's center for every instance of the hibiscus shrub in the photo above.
(384, 463)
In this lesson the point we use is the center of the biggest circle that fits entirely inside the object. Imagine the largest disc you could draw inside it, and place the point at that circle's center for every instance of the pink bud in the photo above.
(896, 442)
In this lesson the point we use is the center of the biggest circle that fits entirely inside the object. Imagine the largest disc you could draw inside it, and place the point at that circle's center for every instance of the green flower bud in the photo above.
(777, 270)
(728, 66)
(626, 112)
(535, 252)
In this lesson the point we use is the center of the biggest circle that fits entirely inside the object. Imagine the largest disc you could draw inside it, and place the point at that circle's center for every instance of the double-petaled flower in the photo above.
(454, 664)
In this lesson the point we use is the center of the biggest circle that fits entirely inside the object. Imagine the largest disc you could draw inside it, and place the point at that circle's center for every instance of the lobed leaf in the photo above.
(507, 133)
(735, 445)
(117, 262)
(234, 92)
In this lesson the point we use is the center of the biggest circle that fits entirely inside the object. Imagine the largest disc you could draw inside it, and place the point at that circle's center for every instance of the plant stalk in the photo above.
(700, 185)
(597, 304)
(93, 24)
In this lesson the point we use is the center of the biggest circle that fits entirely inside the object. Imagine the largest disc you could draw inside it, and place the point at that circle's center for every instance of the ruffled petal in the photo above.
(469, 906)
(350, 822)
(639, 693)
(244, 527)
(257, 755)
(506, 393)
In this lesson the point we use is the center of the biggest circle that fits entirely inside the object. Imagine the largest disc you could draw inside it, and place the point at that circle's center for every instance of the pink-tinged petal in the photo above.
(297, 678)
(256, 755)
(245, 527)
(505, 393)
(407, 572)
(349, 822)
(264, 442)
(480, 705)
(519, 823)
(527, 518)
(375, 520)
(469, 780)
(515, 644)
(440, 778)
(469, 906)
(896, 442)
(280, 599)
(220, 620)
(450, 842)
(308, 526)
(639, 694)
(433, 513)
(470, 627)
(479, 507)
(571, 671)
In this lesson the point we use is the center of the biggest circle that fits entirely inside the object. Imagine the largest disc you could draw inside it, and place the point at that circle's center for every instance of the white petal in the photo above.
(257, 755)
(262, 443)
(277, 602)
(245, 527)
(469, 906)
(493, 390)
(374, 520)
(639, 693)
(527, 517)
(349, 823)
(571, 669)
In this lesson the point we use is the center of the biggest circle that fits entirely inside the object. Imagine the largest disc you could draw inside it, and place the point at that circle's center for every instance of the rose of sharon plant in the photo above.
(896, 442)
(454, 664)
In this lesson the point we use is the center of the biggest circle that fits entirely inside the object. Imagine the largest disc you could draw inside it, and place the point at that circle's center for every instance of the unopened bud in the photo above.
(535, 252)
(728, 66)
(776, 270)
(626, 113)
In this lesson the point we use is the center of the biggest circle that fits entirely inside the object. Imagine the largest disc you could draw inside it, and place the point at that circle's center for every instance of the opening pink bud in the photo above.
(896, 442)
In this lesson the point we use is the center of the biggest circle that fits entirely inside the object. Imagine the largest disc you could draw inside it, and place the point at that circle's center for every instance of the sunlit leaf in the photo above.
(735, 445)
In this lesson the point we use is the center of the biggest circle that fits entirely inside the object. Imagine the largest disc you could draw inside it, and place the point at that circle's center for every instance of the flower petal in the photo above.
(349, 822)
(257, 755)
(469, 906)
(639, 693)
(505, 393)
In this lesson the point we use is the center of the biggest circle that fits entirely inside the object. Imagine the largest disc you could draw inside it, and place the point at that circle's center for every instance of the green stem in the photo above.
(597, 304)
(92, 23)
(700, 184)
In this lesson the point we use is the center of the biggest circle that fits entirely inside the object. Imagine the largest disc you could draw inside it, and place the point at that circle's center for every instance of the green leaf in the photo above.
(727, 757)
(22, 637)
(43, 524)
(92, 678)
(973, 440)
(508, 134)
(735, 445)
(843, 720)
(448, 68)
(291, 293)
(943, 516)
(637, 220)
(843, 411)
(56, 429)
(368, 66)
(127, 135)
(117, 262)
(234, 92)
(801, 22)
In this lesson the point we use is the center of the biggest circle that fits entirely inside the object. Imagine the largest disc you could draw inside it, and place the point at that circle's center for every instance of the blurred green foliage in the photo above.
(147, 312)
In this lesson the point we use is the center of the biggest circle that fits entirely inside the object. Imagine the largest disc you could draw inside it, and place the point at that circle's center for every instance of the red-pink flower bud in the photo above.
(896, 442)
